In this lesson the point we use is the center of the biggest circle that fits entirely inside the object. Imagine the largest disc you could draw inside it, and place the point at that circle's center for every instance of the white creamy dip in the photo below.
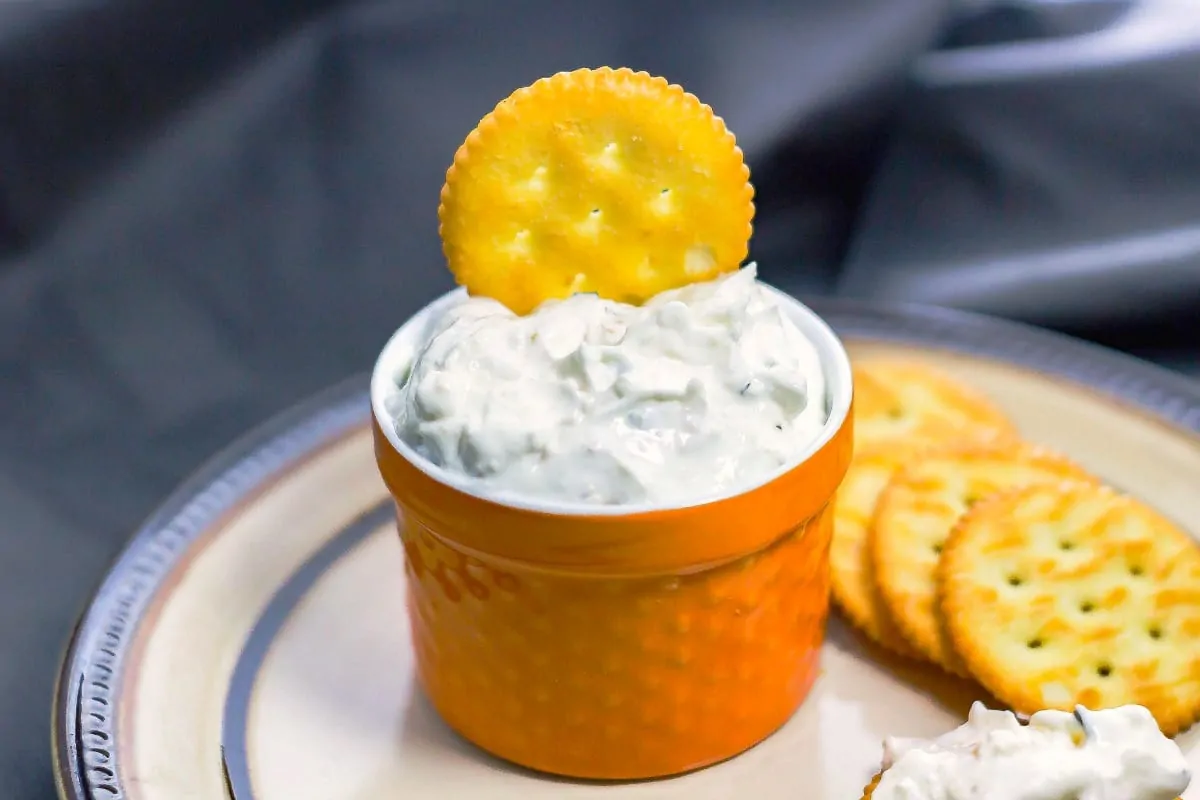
(699, 392)
(1115, 754)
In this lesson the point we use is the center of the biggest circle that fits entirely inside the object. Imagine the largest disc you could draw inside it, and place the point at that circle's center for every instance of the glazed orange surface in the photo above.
(613, 678)
(624, 646)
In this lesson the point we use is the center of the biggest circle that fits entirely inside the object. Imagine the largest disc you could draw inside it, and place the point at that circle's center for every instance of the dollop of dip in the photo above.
(1115, 754)
(699, 392)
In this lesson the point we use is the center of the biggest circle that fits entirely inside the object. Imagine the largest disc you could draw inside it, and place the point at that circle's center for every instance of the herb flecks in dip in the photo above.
(699, 392)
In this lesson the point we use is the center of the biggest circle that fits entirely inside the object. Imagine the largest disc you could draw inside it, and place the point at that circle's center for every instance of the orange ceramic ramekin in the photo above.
(616, 642)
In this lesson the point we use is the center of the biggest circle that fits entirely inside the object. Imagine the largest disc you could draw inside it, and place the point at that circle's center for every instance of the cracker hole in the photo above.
(1087, 607)
(937, 548)
(895, 413)
(1155, 632)
(1104, 670)
(1136, 570)
(1066, 545)
(1034, 644)
(971, 500)
(1015, 580)
(665, 191)
(595, 212)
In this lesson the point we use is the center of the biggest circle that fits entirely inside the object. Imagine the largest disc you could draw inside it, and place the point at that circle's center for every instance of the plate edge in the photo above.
(83, 759)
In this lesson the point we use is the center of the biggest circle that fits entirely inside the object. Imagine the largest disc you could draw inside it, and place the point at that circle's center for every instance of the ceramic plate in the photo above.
(251, 642)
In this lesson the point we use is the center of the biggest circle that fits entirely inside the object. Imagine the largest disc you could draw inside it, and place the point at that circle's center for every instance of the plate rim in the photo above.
(83, 761)
(217, 487)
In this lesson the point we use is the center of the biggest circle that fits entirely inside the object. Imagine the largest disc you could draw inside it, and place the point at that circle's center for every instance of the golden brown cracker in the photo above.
(853, 583)
(598, 180)
(916, 513)
(1074, 594)
(900, 400)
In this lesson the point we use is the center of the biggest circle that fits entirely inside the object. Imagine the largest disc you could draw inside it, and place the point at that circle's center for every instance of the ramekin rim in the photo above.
(393, 356)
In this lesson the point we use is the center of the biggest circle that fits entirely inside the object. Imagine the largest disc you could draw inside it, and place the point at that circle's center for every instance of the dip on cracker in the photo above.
(1115, 754)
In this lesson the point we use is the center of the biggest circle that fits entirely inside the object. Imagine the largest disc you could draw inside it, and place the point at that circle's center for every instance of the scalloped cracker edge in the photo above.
(916, 513)
(1058, 595)
(598, 180)
(908, 400)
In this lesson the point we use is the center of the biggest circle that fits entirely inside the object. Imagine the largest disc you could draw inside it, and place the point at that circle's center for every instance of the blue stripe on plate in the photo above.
(267, 629)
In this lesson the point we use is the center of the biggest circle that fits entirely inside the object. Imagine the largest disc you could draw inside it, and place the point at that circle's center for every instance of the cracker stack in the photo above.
(959, 544)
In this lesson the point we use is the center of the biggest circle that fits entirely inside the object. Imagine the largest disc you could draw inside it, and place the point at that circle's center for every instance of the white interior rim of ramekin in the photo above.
(398, 353)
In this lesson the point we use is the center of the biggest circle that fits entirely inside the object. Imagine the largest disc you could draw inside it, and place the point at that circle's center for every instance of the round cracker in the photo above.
(900, 400)
(916, 513)
(598, 180)
(1074, 594)
(852, 580)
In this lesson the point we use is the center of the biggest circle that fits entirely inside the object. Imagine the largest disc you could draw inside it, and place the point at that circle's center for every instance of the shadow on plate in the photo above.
(949, 691)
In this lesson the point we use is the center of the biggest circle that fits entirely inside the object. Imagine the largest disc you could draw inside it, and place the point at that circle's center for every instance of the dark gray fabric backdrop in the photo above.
(210, 209)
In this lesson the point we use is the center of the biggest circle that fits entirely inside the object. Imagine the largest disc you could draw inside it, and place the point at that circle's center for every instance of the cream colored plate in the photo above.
(252, 642)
